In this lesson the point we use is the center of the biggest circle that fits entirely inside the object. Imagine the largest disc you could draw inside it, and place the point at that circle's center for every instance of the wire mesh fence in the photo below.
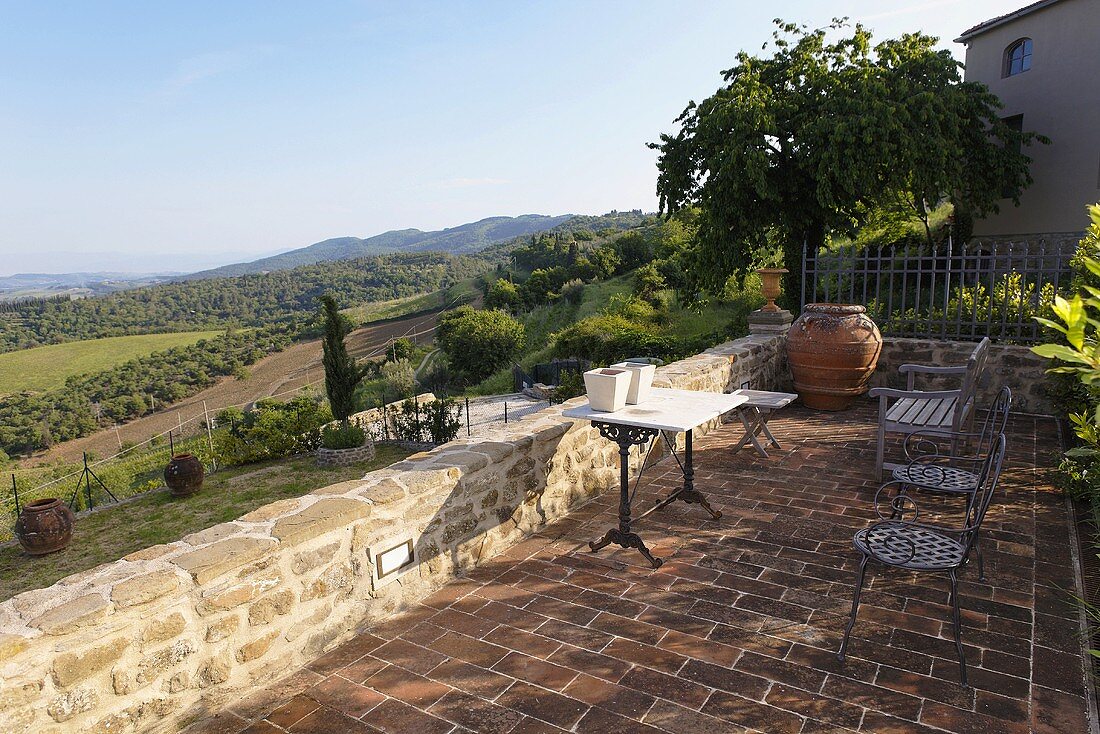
(943, 290)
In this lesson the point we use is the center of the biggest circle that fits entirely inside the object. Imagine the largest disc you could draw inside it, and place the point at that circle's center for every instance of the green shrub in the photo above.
(342, 436)
(478, 343)
(570, 385)
(609, 338)
(272, 430)
(441, 420)
(573, 291)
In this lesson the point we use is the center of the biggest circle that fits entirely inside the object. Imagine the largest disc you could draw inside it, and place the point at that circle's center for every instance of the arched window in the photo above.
(1018, 57)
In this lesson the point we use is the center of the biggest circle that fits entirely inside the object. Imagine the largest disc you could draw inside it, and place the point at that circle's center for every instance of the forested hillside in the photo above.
(251, 300)
(464, 238)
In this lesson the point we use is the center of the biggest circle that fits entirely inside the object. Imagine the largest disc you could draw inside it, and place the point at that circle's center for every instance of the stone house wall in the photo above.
(1008, 364)
(173, 632)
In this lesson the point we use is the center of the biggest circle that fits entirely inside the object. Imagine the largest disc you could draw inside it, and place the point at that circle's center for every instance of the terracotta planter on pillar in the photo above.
(769, 287)
(832, 350)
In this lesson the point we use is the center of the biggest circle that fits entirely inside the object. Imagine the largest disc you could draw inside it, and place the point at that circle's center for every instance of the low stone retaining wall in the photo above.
(345, 457)
(171, 633)
(1012, 365)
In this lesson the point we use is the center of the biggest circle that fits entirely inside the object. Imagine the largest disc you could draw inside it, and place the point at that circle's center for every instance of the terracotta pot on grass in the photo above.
(44, 526)
(832, 350)
(184, 475)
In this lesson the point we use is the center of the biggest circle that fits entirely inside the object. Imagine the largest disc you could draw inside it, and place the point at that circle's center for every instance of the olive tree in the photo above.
(806, 142)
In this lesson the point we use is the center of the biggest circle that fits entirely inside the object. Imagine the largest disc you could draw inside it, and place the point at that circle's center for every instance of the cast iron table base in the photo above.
(626, 437)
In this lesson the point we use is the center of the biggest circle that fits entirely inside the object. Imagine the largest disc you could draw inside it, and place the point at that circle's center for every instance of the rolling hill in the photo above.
(464, 238)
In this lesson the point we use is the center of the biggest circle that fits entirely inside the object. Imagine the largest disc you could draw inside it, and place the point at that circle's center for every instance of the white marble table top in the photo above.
(666, 410)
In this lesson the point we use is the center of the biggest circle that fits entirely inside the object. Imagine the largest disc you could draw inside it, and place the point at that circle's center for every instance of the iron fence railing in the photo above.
(943, 291)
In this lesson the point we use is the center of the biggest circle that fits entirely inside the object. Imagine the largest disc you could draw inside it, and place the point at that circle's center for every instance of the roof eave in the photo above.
(997, 22)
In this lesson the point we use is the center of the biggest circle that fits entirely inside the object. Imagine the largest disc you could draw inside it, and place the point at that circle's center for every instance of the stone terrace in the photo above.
(737, 631)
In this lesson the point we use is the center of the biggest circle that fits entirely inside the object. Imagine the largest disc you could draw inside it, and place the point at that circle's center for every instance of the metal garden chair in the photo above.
(951, 463)
(916, 546)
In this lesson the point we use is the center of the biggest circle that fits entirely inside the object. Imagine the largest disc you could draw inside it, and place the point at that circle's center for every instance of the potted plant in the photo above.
(607, 388)
(641, 380)
(343, 444)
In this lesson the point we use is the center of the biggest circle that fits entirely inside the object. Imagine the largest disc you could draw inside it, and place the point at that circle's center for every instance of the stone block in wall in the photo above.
(257, 647)
(269, 607)
(145, 588)
(130, 678)
(318, 518)
(80, 613)
(163, 629)
(70, 668)
(207, 563)
(65, 706)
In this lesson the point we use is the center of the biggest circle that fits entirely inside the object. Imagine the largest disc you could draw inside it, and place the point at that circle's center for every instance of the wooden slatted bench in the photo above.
(935, 412)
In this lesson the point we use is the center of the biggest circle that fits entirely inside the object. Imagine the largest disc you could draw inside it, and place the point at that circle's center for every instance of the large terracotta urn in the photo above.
(44, 526)
(184, 475)
(832, 350)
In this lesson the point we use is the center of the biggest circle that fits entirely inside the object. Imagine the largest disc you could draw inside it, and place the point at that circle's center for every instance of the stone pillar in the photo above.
(770, 323)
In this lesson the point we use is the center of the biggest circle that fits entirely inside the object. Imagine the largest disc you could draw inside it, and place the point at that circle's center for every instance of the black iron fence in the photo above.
(943, 291)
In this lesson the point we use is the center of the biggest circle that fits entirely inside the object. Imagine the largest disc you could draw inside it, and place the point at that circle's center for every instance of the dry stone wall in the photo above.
(171, 633)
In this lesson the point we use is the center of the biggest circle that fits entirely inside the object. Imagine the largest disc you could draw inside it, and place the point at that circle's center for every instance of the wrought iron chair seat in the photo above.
(909, 545)
(940, 477)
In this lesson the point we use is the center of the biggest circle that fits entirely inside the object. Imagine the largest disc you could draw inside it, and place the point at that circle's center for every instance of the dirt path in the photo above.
(276, 375)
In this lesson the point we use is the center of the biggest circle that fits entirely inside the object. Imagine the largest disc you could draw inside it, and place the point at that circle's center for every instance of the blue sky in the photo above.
(176, 135)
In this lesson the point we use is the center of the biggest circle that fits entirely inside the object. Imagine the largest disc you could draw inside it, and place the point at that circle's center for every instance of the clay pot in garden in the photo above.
(184, 475)
(44, 526)
(769, 286)
(832, 350)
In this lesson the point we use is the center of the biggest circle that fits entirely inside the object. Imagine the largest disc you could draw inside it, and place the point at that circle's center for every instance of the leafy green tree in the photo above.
(400, 349)
(478, 343)
(342, 374)
(648, 282)
(605, 260)
(807, 141)
(634, 250)
(503, 294)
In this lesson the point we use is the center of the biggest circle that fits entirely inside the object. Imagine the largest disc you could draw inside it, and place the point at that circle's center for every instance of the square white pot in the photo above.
(641, 380)
(607, 388)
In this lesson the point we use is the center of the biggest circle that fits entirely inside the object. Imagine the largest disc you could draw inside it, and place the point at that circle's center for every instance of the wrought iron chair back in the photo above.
(921, 547)
(990, 476)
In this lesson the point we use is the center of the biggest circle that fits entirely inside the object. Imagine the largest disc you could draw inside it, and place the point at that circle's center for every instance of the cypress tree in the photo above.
(342, 374)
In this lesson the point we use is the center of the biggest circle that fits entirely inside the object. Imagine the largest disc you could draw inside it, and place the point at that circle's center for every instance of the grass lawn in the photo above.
(156, 517)
(43, 368)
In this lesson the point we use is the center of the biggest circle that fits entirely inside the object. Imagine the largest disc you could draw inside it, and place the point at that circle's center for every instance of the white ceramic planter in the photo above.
(641, 380)
(607, 388)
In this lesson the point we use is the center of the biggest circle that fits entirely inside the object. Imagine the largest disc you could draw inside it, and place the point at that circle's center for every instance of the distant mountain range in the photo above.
(464, 238)
(45, 285)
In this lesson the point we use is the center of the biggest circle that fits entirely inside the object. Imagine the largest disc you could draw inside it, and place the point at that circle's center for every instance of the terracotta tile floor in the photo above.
(738, 630)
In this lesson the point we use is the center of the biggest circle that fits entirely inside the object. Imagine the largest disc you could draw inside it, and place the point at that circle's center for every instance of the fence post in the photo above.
(506, 412)
(15, 493)
(467, 420)
(118, 438)
(209, 438)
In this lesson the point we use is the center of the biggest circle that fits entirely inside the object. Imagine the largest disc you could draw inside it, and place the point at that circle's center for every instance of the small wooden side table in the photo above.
(754, 414)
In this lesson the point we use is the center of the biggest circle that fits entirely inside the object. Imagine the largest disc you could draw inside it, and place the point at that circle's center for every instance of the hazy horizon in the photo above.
(148, 138)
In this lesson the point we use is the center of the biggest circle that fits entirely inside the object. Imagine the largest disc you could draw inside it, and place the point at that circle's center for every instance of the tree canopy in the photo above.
(804, 143)
(478, 343)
